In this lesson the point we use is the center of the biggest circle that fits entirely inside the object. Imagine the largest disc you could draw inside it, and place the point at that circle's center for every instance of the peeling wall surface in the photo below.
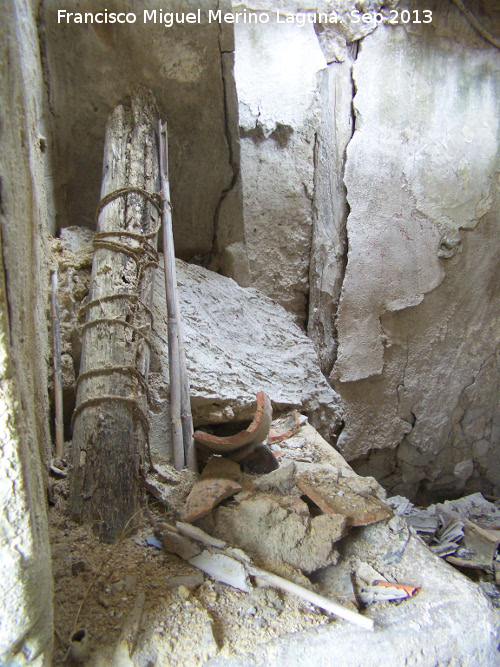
(89, 68)
(276, 79)
(419, 317)
(25, 214)
(402, 299)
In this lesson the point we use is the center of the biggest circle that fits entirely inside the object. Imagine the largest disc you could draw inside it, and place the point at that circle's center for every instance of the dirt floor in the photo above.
(96, 585)
(188, 618)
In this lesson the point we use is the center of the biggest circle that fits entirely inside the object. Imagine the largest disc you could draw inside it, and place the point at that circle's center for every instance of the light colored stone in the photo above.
(278, 116)
(280, 480)
(180, 545)
(237, 342)
(265, 527)
(464, 469)
(189, 581)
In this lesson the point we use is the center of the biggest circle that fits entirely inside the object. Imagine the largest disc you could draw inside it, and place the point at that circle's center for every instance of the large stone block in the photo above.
(237, 342)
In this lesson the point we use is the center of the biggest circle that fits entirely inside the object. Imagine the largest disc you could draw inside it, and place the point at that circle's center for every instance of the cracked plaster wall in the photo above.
(26, 211)
(419, 316)
(410, 347)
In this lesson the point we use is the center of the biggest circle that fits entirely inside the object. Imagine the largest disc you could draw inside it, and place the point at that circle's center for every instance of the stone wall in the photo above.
(25, 221)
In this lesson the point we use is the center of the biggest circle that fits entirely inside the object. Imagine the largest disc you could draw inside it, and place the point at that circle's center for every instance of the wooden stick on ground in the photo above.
(180, 408)
(56, 332)
(126, 643)
(228, 566)
(309, 596)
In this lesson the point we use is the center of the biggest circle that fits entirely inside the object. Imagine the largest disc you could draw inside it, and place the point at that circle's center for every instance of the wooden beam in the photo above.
(110, 423)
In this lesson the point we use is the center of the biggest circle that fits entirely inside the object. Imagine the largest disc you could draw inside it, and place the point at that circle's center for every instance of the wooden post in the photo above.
(56, 336)
(110, 425)
(180, 408)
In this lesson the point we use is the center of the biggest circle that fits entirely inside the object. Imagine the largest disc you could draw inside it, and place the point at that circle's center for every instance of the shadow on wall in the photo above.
(90, 68)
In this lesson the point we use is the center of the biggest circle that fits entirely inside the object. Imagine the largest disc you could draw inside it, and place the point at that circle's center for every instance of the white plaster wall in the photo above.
(419, 317)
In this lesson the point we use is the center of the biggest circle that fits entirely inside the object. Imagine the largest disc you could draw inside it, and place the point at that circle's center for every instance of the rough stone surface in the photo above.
(180, 545)
(433, 628)
(264, 527)
(278, 115)
(418, 320)
(278, 481)
(26, 629)
(190, 581)
(90, 68)
(237, 343)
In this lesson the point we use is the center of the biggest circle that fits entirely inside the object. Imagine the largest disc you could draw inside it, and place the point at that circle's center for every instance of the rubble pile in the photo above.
(316, 524)
(465, 532)
(285, 513)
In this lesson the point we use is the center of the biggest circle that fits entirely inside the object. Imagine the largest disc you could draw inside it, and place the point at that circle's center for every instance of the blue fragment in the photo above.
(154, 542)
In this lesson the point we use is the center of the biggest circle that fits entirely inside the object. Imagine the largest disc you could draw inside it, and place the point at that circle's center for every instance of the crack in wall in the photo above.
(352, 51)
(230, 140)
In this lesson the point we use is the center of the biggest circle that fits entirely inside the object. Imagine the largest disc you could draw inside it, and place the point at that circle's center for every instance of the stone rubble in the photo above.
(238, 342)
(381, 566)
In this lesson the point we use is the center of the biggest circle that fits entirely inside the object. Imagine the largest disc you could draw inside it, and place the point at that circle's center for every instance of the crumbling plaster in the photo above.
(419, 317)
(25, 222)
(276, 79)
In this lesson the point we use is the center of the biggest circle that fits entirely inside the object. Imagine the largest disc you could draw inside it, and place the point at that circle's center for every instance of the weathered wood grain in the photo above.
(110, 424)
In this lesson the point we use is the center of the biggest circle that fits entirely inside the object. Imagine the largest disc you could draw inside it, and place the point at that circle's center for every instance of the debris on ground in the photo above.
(263, 563)
(465, 532)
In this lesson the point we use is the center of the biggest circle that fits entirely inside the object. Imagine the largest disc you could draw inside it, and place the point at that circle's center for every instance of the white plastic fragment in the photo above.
(223, 569)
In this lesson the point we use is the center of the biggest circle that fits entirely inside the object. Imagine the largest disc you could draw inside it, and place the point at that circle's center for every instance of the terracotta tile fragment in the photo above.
(408, 588)
(338, 498)
(275, 437)
(219, 480)
(255, 434)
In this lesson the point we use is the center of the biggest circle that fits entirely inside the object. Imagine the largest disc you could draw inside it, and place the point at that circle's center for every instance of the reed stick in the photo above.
(170, 283)
(189, 450)
(56, 335)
